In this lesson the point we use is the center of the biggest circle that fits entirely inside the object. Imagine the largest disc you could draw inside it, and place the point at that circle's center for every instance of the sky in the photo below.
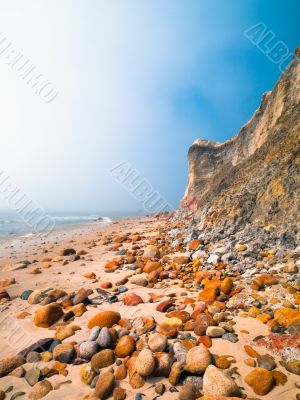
(137, 81)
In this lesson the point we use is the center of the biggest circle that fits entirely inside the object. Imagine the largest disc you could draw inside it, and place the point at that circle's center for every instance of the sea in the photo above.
(13, 225)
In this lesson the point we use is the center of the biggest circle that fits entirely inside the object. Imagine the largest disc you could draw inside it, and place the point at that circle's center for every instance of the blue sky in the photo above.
(137, 81)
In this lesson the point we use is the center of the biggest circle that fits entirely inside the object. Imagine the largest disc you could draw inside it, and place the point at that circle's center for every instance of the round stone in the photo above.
(145, 362)
(157, 342)
(88, 349)
(198, 359)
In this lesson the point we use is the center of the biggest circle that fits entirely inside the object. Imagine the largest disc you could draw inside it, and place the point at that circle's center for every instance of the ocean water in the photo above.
(12, 225)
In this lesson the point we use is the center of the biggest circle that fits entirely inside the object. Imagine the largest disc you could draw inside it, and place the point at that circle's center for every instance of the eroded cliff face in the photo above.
(255, 176)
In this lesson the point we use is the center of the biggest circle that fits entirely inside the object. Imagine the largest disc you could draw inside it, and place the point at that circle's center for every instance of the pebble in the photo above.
(103, 359)
(215, 331)
(104, 339)
(198, 359)
(266, 361)
(88, 349)
(32, 376)
(261, 381)
(157, 342)
(40, 390)
(104, 385)
(160, 389)
(33, 356)
(145, 363)
(64, 353)
(9, 364)
(94, 333)
(217, 383)
(125, 346)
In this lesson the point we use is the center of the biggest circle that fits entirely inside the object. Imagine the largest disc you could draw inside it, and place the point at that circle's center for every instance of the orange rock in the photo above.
(260, 380)
(286, 316)
(194, 244)
(183, 315)
(242, 247)
(280, 378)
(206, 340)
(250, 351)
(208, 295)
(104, 319)
(170, 327)
(48, 315)
(264, 318)
(132, 299)
(152, 266)
(125, 346)
(226, 285)
(111, 266)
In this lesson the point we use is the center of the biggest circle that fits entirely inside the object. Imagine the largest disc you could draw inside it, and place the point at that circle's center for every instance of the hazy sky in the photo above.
(137, 81)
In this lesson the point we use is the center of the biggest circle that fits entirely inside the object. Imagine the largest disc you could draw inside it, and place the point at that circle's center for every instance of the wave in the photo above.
(81, 218)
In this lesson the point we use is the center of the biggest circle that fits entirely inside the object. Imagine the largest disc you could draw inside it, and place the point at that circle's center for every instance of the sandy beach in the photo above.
(98, 247)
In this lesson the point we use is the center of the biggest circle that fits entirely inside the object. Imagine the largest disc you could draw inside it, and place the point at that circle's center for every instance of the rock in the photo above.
(165, 305)
(104, 385)
(103, 359)
(64, 353)
(143, 325)
(8, 364)
(187, 392)
(151, 252)
(33, 356)
(79, 309)
(63, 332)
(226, 285)
(223, 362)
(67, 252)
(39, 346)
(160, 389)
(94, 333)
(217, 383)
(104, 339)
(180, 352)
(202, 323)
(170, 326)
(145, 363)
(48, 315)
(286, 316)
(18, 372)
(119, 393)
(88, 349)
(175, 373)
(213, 259)
(267, 362)
(183, 315)
(104, 319)
(87, 374)
(80, 296)
(157, 342)
(140, 281)
(24, 295)
(125, 346)
(293, 367)
(39, 390)
(215, 331)
(32, 376)
(198, 359)
(163, 363)
(132, 299)
(260, 380)
(120, 372)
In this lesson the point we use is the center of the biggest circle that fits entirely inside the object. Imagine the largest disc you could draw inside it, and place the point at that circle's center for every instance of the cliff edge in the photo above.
(253, 178)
